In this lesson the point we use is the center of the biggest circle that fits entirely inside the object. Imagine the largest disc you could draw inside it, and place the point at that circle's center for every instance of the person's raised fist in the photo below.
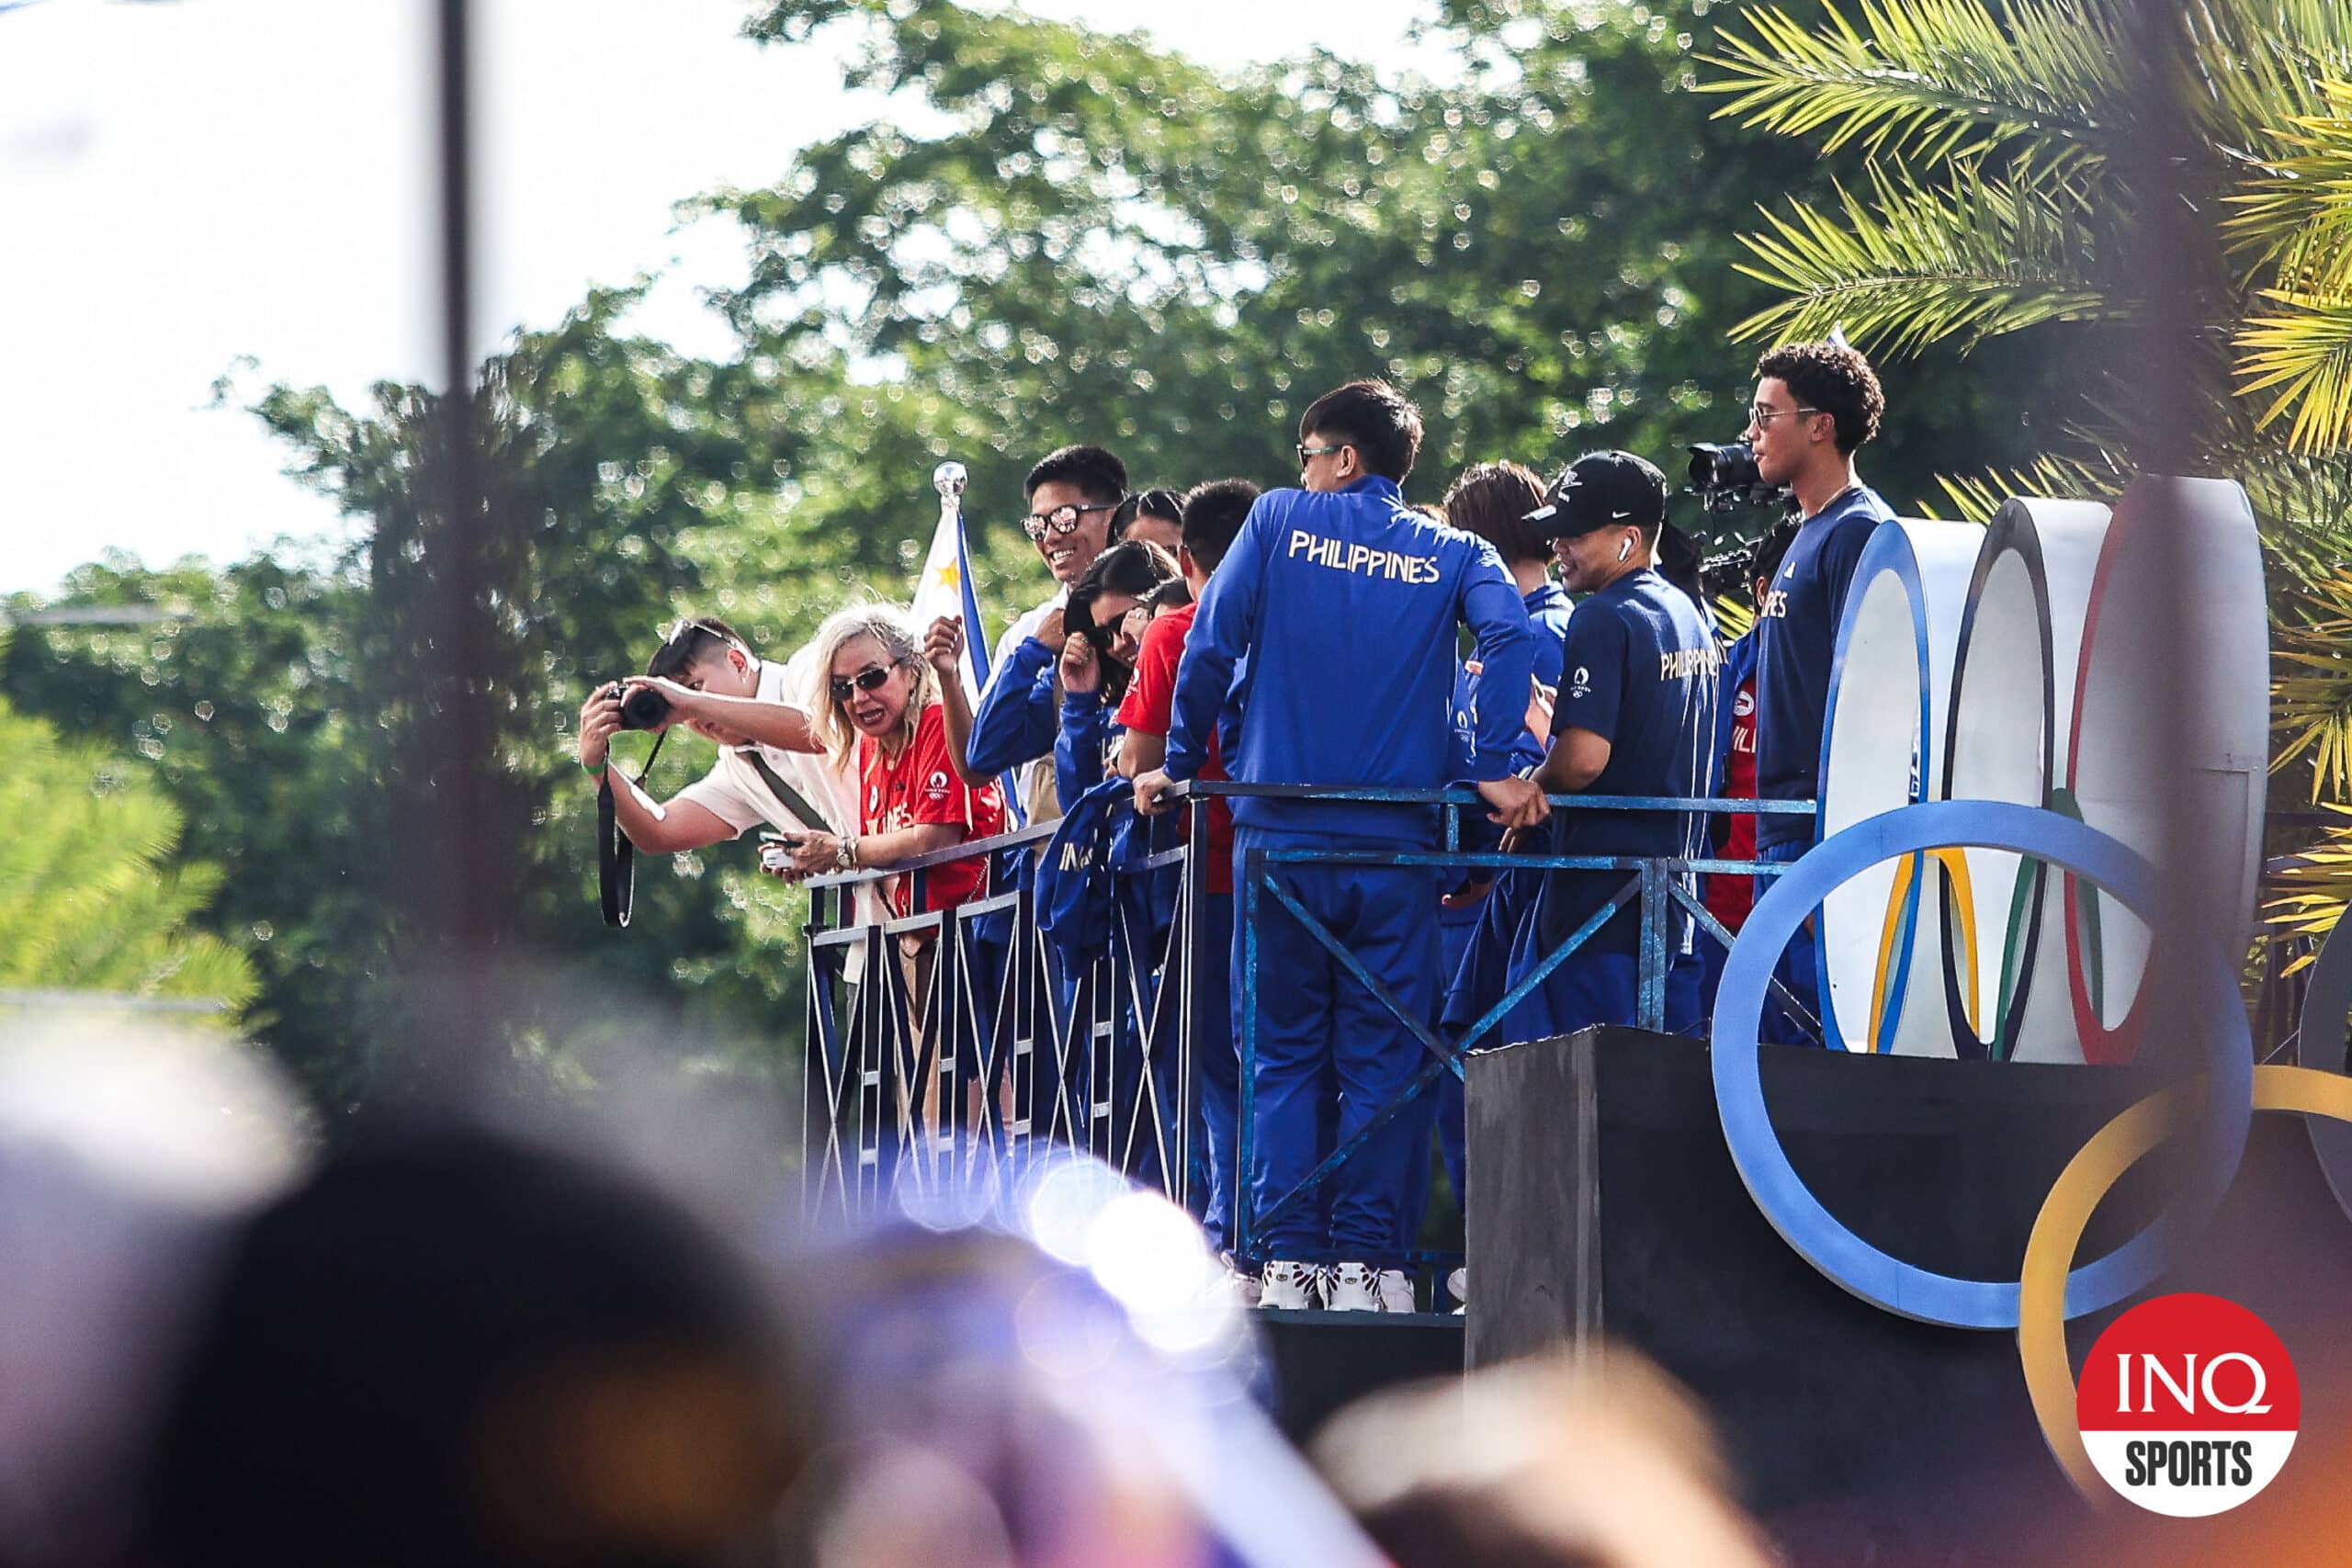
(943, 644)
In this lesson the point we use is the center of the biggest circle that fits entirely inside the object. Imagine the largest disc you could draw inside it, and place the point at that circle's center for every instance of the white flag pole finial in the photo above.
(949, 479)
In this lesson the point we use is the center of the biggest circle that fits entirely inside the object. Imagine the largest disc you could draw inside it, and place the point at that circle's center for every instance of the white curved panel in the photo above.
(2009, 729)
(1890, 686)
(2127, 747)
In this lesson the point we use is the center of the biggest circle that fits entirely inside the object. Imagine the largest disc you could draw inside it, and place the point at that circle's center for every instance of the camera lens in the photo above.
(644, 709)
(1731, 466)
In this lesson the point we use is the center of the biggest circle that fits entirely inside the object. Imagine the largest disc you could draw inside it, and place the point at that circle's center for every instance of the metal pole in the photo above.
(457, 817)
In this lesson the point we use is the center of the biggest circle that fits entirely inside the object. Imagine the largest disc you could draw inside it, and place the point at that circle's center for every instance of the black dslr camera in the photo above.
(1726, 477)
(643, 708)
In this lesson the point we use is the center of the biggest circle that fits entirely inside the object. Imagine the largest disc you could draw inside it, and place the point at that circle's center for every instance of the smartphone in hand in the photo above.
(776, 850)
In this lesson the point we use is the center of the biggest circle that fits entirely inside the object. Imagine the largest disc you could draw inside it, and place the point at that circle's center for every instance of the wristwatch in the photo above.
(845, 852)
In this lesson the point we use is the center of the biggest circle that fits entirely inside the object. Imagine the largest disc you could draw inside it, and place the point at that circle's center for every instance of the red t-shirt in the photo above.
(1150, 708)
(1729, 898)
(920, 787)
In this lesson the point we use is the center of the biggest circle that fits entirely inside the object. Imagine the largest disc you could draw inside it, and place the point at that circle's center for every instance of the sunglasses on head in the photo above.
(866, 680)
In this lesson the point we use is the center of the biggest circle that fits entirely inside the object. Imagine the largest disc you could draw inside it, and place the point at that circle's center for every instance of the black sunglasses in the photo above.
(866, 680)
(1064, 519)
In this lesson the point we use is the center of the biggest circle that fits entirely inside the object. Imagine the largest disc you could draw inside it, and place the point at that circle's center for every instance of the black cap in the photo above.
(1602, 490)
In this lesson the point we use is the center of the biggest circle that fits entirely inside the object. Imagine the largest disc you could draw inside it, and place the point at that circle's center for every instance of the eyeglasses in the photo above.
(1304, 451)
(866, 680)
(1761, 416)
(1063, 519)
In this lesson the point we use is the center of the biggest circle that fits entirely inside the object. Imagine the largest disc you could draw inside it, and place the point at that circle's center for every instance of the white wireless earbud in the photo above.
(1624, 548)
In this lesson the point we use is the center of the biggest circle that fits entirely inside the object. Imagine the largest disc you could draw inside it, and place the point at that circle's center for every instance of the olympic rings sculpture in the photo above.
(2003, 663)
(1781, 1195)
(1990, 782)
(2058, 1229)
(2214, 1111)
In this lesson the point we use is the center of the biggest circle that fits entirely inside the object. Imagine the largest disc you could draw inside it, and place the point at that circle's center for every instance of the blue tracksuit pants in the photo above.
(1216, 1065)
(1798, 969)
(1319, 1028)
(1455, 935)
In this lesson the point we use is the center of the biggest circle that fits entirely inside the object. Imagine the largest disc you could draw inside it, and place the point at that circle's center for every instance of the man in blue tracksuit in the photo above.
(1635, 715)
(1345, 603)
(1815, 402)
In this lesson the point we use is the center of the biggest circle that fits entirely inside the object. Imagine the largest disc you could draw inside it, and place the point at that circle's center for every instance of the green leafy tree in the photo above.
(233, 700)
(1107, 241)
(93, 895)
(268, 698)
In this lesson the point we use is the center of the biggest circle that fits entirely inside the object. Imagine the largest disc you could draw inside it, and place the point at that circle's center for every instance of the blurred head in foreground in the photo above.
(130, 1152)
(460, 1349)
(1595, 1461)
(1051, 1374)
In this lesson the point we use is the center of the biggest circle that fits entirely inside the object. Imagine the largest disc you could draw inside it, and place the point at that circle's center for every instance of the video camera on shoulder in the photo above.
(1726, 478)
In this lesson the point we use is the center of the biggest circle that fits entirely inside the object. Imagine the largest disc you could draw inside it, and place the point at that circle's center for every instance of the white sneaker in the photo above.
(1359, 1286)
(1457, 1285)
(1352, 1289)
(1291, 1287)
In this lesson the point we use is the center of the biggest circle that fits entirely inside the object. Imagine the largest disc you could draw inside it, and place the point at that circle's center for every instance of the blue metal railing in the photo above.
(1005, 1053)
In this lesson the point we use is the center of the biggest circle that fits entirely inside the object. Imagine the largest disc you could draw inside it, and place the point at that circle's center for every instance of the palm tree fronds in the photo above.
(1976, 498)
(2295, 219)
(2304, 504)
(2260, 63)
(2311, 691)
(1932, 80)
(2306, 357)
(1916, 265)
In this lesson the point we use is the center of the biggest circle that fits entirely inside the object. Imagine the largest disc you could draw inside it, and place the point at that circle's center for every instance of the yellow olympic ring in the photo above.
(1955, 867)
(2058, 1232)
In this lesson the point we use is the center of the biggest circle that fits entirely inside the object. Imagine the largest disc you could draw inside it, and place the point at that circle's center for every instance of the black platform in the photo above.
(1605, 1203)
(1323, 1360)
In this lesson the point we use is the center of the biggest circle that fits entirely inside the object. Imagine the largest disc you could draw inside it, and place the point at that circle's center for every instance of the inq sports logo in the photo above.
(2189, 1405)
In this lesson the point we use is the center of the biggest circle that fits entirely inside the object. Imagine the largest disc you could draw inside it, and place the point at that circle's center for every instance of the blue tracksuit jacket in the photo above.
(1346, 604)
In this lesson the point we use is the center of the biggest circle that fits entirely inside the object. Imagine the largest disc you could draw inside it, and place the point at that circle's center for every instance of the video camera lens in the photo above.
(1726, 478)
(1729, 466)
(644, 709)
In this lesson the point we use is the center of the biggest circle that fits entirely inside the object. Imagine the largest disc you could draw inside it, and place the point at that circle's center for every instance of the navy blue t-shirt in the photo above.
(1795, 629)
(1641, 673)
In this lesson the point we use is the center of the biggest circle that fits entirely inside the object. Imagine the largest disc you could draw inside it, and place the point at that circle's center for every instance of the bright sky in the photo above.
(183, 184)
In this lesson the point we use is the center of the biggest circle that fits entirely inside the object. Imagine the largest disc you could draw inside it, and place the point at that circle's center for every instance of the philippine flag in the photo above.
(945, 588)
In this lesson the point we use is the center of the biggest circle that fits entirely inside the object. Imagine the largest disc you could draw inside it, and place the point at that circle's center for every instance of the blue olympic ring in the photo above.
(1781, 1195)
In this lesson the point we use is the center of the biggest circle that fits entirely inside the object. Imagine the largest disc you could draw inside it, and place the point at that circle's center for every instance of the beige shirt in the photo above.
(735, 794)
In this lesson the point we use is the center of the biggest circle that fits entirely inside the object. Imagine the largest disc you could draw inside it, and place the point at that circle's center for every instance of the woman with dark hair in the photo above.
(1158, 518)
(1099, 657)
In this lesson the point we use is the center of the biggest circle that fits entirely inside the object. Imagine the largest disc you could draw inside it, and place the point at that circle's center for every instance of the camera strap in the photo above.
(616, 856)
(791, 798)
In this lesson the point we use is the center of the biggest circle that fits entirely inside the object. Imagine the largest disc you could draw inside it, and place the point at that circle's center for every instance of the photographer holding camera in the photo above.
(770, 767)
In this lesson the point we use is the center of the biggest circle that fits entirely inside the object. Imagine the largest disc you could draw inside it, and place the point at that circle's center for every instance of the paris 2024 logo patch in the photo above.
(2189, 1405)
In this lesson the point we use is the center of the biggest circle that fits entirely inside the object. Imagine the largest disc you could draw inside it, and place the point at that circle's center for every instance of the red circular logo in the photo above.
(2189, 1405)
